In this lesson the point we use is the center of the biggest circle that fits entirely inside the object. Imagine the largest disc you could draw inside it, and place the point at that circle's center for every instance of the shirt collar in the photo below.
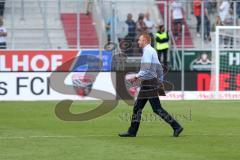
(147, 46)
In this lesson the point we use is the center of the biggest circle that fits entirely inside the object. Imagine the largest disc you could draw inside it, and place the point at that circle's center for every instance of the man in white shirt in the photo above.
(3, 35)
(224, 10)
(150, 76)
(177, 14)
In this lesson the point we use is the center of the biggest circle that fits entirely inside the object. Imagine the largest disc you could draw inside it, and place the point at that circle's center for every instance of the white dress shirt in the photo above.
(150, 65)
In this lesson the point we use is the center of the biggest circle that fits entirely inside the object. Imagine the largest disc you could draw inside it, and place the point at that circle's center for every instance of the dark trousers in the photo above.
(108, 38)
(156, 107)
(3, 45)
(198, 23)
(2, 6)
(163, 53)
(206, 28)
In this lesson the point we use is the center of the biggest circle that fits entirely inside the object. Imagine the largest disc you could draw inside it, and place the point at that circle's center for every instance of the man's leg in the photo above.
(157, 108)
(165, 52)
(198, 24)
(136, 116)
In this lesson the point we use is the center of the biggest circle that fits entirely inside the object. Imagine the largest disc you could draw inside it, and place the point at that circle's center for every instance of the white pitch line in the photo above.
(31, 137)
(216, 135)
(52, 136)
(45, 136)
(12, 137)
(85, 136)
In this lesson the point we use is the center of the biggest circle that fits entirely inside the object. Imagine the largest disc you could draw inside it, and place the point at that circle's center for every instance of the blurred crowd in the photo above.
(129, 31)
(210, 13)
(207, 12)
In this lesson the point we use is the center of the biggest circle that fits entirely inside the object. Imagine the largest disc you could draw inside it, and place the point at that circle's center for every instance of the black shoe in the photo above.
(127, 134)
(177, 132)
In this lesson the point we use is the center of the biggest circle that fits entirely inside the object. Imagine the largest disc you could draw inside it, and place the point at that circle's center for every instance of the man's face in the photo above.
(141, 41)
(129, 17)
(162, 28)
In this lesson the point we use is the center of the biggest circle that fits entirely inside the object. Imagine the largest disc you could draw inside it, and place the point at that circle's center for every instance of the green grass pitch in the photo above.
(31, 131)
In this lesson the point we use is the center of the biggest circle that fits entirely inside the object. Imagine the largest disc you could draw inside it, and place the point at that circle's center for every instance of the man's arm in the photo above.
(3, 34)
(145, 65)
(160, 74)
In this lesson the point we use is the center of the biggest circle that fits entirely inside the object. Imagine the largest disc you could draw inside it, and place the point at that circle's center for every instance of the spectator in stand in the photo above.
(197, 7)
(206, 24)
(177, 13)
(229, 21)
(88, 6)
(109, 25)
(130, 38)
(3, 35)
(162, 44)
(141, 26)
(2, 7)
(238, 12)
(224, 10)
(211, 5)
(232, 3)
(131, 27)
(150, 26)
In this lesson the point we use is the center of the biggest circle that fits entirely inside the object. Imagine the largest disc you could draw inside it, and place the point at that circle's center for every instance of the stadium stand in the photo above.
(88, 34)
(52, 24)
(188, 42)
(33, 25)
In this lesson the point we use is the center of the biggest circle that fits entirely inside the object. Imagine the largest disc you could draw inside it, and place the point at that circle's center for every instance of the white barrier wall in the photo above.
(24, 75)
(36, 86)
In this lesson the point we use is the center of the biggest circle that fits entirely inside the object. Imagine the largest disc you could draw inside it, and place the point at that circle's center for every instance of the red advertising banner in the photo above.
(227, 81)
(35, 60)
(201, 81)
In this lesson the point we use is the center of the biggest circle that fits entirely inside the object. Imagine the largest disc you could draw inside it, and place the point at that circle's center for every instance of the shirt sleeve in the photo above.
(160, 72)
(145, 65)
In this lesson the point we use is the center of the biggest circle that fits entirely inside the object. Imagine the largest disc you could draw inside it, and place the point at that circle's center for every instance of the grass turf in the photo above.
(31, 131)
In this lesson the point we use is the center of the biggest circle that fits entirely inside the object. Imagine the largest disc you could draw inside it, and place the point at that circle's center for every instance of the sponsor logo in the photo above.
(19, 61)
